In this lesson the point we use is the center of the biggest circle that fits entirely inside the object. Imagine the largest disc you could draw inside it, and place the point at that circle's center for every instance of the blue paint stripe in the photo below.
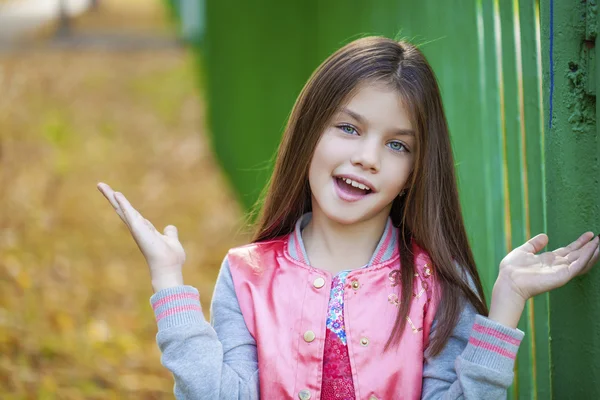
(551, 63)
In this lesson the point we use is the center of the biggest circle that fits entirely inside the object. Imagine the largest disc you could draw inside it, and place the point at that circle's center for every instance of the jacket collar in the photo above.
(386, 249)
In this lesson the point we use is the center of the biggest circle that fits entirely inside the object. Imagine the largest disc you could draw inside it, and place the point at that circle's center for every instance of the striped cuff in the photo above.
(493, 345)
(177, 306)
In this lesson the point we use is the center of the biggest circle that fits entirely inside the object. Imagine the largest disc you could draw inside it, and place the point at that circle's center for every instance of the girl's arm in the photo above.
(208, 361)
(476, 363)
(478, 359)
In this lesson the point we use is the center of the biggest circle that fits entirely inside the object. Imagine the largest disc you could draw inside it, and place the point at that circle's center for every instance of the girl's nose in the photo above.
(366, 156)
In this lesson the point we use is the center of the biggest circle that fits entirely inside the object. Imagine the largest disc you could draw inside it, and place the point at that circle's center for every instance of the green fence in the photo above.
(487, 55)
(488, 58)
(572, 151)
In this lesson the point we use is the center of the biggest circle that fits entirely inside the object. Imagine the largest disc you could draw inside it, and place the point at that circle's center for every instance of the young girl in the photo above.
(359, 282)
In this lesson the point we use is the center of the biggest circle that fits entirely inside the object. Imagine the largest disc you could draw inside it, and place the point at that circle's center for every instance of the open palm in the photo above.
(163, 252)
(530, 273)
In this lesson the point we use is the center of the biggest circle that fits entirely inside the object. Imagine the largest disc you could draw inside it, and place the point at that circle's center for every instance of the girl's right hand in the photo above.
(163, 253)
(524, 273)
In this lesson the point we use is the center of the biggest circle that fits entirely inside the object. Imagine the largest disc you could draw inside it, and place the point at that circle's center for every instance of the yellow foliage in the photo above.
(23, 279)
(98, 331)
(75, 321)
(63, 322)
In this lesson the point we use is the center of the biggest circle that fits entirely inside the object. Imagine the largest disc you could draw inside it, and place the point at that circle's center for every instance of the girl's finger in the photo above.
(576, 245)
(171, 231)
(150, 225)
(535, 244)
(591, 262)
(131, 214)
(109, 194)
(141, 229)
(580, 258)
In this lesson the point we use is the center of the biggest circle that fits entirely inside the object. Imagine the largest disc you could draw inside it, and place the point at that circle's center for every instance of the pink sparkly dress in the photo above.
(337, 372)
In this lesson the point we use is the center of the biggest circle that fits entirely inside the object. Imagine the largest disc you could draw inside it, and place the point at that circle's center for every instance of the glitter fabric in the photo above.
(337, 372)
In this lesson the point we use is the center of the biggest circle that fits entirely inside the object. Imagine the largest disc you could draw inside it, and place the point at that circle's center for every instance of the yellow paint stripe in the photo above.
(524, 182)
(538, 51)
(507, 222)
(500, 71)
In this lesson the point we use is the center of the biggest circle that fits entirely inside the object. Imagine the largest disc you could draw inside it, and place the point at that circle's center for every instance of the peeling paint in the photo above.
(590, 18)
(582, 106)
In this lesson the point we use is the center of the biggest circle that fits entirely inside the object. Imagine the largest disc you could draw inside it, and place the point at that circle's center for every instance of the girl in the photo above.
(359, 282)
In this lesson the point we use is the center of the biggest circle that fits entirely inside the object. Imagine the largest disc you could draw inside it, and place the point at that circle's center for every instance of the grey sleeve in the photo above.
(216, 360)
(476, 363)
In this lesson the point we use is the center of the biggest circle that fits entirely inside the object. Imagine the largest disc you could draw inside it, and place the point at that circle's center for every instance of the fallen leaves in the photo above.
(75, 321)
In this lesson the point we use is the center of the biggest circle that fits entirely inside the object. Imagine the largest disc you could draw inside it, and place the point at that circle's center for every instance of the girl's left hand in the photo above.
(524, 274)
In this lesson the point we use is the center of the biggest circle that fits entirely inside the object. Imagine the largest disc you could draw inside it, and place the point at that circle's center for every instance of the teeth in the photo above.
(356, 184)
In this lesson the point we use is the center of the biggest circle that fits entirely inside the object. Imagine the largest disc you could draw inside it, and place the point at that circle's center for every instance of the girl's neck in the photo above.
(334, 247)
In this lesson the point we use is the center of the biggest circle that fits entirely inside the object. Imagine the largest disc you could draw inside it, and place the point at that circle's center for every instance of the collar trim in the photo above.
(386, 250)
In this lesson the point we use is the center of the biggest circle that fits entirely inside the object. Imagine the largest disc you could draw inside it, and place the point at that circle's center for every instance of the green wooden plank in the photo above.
(484, 253)
(538, 323)
(495, 175)
(461, 87)
(512, 164)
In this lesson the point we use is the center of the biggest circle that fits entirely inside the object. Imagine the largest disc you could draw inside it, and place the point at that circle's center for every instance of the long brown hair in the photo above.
(429, 214)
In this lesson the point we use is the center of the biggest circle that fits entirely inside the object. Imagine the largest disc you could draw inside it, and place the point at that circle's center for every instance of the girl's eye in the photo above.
(397, 146)
(347, 129)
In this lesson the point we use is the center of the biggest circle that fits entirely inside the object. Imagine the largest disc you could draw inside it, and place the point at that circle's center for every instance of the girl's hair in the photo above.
(429, 214)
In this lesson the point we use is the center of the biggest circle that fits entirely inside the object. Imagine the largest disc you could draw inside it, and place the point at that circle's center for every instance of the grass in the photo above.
(75, 321)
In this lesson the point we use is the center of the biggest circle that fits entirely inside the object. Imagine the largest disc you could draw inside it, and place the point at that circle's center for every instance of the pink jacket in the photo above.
(284, 303)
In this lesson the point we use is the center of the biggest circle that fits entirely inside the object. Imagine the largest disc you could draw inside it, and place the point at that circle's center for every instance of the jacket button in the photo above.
(364, 341)
(309, 336)
(355, 285)
(319, 283)
(304, 394)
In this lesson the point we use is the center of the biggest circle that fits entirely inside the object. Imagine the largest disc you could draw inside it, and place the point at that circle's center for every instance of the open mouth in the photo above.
(351, 190)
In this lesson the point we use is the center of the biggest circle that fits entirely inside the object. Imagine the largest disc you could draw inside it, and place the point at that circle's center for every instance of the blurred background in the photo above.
(109, 93)
(180, 104)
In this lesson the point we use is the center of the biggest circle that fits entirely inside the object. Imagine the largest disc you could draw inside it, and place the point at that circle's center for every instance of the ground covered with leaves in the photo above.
(75, 320)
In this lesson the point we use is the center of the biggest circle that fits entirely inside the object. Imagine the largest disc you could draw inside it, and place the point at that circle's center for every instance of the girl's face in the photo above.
(364, 157)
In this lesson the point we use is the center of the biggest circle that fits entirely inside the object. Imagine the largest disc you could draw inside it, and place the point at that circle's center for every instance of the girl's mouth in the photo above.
(349, 191)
